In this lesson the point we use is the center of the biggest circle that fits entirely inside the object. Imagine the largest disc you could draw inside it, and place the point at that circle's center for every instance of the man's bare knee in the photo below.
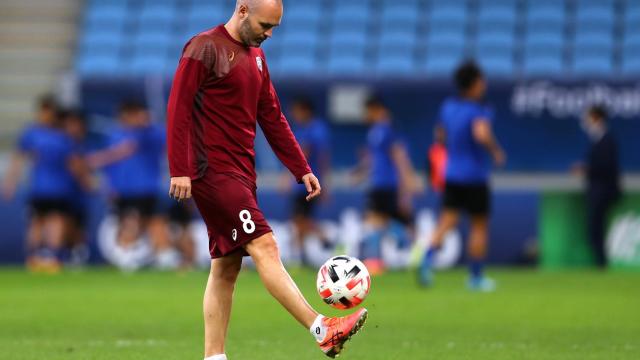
(226, 270)
(264, 247)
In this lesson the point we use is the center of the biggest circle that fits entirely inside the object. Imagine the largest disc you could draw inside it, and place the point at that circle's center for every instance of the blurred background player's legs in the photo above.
(54, 230)
(75, 238)
(166, 256)
(477, 250)
(264, 252)
(34, 236)
(218, 297)
(129, 228)
(596, 217)
(448, 220)
(371, 248)
(304, 225)
(46, 234)
(180, 216)
(384, 219)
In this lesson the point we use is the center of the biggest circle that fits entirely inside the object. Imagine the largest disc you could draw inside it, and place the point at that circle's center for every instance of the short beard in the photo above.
(245, 34)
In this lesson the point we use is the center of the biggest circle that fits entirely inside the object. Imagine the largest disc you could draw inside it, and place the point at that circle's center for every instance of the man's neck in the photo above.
(597, 135)
(468, 97)
(232, 28)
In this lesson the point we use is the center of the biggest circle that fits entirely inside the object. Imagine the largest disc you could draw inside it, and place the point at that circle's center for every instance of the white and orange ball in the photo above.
(343, 282)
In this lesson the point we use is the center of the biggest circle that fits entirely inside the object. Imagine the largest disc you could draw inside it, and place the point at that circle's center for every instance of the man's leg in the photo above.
(217, 302)
(34, 234)
(477, 247)
(54, 225)
(35, 242)
(129, 228)
(596, 223)
(375, 226)
(477, 250)
(264, 252)
(448, 220)
(158, 230)
(186, 246)
(330, 333)
(166, 256)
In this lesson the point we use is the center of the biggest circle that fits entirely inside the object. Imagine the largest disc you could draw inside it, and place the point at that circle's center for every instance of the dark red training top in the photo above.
(220, 89)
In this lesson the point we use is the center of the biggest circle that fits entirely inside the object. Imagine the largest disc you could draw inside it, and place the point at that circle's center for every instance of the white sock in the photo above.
(317, 329)
(217, 357)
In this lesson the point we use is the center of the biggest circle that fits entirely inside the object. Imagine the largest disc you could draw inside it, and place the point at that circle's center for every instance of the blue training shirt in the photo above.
(140, 173)
(313, 138)
(50, 150)
(80, 196)
(380, 140)
(467, 161)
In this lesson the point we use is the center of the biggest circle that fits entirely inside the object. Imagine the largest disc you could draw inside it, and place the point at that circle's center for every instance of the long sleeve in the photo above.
(278, 133)
(193, 69)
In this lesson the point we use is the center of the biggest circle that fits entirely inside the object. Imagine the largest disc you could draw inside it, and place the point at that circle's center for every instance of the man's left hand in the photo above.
(312, 185)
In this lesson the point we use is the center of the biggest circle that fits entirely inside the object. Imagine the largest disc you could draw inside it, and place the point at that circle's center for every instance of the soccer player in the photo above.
(312, 134)
(471, 144)
(133, 166)
(75, 126)
(51, 184)
(220, 90)
(392, 183)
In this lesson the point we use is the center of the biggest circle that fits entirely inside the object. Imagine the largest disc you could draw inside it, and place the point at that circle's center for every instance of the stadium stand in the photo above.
(510, 38)
(37, 41)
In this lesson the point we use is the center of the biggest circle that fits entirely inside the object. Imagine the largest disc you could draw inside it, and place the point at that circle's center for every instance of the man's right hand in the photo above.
(180, 187)
(8, 190)
(499, 157)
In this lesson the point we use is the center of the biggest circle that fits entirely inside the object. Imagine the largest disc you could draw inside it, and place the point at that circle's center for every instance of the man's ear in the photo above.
(243, 10)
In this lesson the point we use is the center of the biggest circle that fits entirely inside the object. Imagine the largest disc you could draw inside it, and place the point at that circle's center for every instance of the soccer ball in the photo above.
(343, 282)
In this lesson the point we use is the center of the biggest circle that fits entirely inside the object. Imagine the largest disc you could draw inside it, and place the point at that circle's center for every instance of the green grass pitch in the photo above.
(103, 314)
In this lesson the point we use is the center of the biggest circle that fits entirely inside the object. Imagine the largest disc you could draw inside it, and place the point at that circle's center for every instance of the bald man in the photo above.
(220, 90)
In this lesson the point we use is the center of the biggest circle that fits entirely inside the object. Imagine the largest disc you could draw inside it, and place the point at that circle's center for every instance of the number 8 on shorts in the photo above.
(247, 224)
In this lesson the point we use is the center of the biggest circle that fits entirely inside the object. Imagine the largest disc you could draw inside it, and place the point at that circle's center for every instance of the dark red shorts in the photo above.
(229, 207)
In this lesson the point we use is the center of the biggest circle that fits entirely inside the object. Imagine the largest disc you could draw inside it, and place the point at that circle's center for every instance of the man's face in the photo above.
(479, 88)
(74, 127)
(140, 117)
(373, 114)
(46, 115)
(258, 23)
(300, 113)
(127, 117)
(590, 123)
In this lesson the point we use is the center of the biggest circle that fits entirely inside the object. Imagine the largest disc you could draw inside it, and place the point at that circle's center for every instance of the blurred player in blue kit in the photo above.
(74, 124)
(56, 169)
(313, 136)
(133, 165)
(392, 183)
(471, 145)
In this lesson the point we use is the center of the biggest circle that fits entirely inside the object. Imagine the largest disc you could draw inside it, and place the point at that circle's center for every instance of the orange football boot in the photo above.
(339, 330)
